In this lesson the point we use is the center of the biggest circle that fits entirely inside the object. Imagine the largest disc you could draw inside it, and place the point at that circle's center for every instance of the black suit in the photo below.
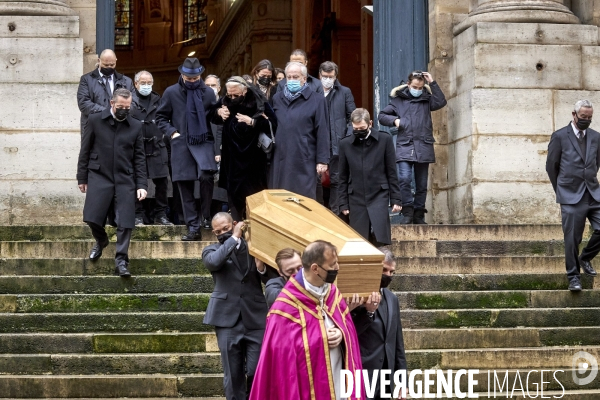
(572, 168)
(368, 183)
(113, 165)
(380, 338)
(238, 310)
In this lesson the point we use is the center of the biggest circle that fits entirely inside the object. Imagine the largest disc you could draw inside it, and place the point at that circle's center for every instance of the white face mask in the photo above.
(145, 90)
(216, 92)
(327, 82)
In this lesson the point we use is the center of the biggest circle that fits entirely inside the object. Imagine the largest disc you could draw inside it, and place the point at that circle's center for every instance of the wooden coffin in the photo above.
(279, 219)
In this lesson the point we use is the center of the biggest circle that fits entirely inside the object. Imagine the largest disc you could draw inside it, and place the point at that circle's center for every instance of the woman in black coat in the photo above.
(410, 111)
(242, 113)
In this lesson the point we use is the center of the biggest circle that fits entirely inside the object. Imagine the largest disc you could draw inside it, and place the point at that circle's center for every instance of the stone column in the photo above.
(41, 59)
(512, 84)
(35, 7)
(539, 11)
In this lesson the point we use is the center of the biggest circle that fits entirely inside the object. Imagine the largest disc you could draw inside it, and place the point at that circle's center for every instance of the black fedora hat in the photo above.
(191, 67)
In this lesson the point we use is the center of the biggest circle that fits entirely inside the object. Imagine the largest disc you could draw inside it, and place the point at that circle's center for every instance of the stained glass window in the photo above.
(194, 26)
(124, 24)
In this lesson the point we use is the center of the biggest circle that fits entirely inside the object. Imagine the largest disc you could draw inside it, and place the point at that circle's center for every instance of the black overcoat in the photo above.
(368, 183)
(112, 164)
(244, 164)
(301, 141)
(157, 159)
(187, 161)
(341, 105)
(92, 96)
(415, 133)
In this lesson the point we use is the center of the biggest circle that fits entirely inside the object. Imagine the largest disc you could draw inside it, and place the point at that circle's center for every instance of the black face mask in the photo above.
(121, 113)
(192, 85)
(385, 281)
(228, 101)
(224, 236)
(264, 80)
(107, 71)
(361, 133)
(331, 275)
(583, 124)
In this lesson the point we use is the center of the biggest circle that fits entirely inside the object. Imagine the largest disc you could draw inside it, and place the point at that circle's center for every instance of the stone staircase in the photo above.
(473, 297)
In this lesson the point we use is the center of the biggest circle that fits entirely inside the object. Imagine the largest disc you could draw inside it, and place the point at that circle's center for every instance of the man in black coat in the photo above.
(111, 167)
(184, 115)
(572, 166)
(96, 87)
(368, 180)
(340, 104)
(379, 328)
(289, 263)
(237, 306)
(157, 159)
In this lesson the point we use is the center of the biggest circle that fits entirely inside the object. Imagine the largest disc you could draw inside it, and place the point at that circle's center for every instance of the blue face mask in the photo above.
(294, 86)
(415, 92)
(145, 90)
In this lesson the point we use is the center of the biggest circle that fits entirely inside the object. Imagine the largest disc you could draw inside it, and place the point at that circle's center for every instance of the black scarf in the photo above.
(197, 132)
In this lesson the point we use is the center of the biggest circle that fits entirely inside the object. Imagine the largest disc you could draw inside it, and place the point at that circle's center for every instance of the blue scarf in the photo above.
(197, 132)
(292, 96)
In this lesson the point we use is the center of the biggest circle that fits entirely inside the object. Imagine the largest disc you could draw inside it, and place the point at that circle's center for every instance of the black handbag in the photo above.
(266, 142)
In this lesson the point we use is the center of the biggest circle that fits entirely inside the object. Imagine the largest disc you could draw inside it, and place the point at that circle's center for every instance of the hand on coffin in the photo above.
(334, 337)
(260, 266)
(354, 301)
(396, 208)
(373, 302)
(238, 229)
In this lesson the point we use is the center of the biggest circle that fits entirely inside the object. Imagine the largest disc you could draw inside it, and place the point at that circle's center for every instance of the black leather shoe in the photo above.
(162, 220)
(192, 236)
(206, 224)
(96, 252)
(586, 266)
(122, 271)
(139, 221)
(575, 285)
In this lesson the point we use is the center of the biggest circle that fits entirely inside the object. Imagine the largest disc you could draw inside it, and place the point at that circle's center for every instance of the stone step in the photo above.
(180, 302)
(399, 232)
(105, 265)
(461, 248)
(498, 299)
(480, 265)
(103, 322)
(110, 386)
(177, 302)
(110, 284)
(105, 284)
(88, 343)
(68, 249)
(500, 318)
(476, 282)
(479, 232)
(461, 338)
(181, 266)
(110, 364)
(82, 232)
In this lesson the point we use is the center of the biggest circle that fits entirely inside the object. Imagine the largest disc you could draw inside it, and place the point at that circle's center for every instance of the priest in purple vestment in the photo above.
(309, 337)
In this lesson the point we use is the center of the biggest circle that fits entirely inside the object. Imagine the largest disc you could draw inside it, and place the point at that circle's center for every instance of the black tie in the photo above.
(107, 84)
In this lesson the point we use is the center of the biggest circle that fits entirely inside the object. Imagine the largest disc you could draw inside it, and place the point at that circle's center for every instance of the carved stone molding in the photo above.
(537, 11)
(35, 7)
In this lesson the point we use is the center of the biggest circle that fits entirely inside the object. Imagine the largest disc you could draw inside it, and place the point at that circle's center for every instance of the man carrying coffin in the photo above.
(309, 337)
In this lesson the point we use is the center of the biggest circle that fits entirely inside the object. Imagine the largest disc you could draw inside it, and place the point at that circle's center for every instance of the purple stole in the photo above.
(294, 360)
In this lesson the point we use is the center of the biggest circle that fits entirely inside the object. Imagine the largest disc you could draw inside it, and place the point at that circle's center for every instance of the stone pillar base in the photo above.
(514, 84)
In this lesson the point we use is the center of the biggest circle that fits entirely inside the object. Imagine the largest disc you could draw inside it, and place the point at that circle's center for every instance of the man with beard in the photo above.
(244, 113)
(379, 329)
(184, 115)
(237, 306)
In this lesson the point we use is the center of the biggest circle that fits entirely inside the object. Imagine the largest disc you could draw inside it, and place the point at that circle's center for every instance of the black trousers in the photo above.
(193, 218)
(123, 240)
(160, 198)
(573, 224)
(240, 349)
